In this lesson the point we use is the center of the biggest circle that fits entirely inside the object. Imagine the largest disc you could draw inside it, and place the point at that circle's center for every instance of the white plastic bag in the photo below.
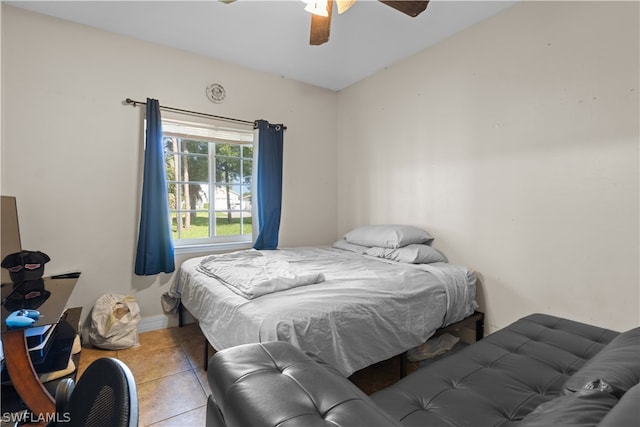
(114, 322)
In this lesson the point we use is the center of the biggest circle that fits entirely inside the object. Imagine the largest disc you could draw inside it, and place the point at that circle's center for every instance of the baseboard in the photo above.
(152, 323)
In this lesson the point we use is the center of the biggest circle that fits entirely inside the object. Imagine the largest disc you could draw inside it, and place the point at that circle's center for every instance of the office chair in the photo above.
(105, 395)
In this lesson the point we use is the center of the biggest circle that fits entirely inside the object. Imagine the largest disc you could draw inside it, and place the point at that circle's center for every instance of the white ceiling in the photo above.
(273, 36)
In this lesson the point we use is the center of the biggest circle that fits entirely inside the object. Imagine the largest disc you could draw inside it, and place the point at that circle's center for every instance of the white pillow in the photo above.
(410, 254)
(348, 246)
(388, 235)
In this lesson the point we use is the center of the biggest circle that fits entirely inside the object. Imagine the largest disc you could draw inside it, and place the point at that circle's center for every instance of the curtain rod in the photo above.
(179, 110)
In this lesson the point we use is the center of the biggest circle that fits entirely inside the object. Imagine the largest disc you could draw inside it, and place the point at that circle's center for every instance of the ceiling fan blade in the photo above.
(408, 7)
(320, 26)
(344, 5)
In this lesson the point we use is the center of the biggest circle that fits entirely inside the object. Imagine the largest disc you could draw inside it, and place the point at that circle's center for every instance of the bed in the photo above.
(351, 304)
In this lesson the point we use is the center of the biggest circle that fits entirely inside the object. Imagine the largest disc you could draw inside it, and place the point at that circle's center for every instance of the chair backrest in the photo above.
(105, 395)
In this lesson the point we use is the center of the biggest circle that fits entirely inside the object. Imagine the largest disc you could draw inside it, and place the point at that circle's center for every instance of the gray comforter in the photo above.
(366, 310)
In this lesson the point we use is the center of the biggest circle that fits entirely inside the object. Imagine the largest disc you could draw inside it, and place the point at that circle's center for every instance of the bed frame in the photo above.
(475, 322)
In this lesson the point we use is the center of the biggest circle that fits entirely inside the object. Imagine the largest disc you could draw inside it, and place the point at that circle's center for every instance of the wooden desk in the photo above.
(18, 361)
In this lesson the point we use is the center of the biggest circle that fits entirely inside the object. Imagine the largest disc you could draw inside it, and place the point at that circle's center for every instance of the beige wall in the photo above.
(516, 144)
(72, 150)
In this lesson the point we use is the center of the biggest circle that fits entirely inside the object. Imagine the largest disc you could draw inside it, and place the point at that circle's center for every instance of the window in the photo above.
(209, 178)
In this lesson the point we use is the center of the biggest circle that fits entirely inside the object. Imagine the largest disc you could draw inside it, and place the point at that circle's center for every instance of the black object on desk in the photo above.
(22, 366)
(51, 309)
(73, 275)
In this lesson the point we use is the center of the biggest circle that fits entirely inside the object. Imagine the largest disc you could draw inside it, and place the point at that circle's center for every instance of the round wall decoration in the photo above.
(216, 93)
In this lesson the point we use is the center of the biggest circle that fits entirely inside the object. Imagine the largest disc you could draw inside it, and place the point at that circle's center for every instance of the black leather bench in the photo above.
(539, 371)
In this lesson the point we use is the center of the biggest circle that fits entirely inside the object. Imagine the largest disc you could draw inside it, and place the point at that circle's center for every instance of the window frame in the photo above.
(214, 134)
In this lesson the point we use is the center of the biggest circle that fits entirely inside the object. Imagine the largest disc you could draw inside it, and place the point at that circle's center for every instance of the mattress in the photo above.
(365, 310)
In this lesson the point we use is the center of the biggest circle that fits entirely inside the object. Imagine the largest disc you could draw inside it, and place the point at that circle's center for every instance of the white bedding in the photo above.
(366, 310)
(252, 273)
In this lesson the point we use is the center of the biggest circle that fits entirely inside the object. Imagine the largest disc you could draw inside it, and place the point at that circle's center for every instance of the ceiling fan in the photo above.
(321, 14)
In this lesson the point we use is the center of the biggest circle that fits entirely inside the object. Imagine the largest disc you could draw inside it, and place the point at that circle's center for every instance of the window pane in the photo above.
(170, 167)
(247, 171)
(228, 197)
(247, 151)
(230, 150)
(168, 145)
(227, 223)
(247, 223)
(198, 197)
(172, 190)
(174, 225)
(171, 161)
(192, 196)
(193, 225)
(194, 168)
(195, 147)
(203, 197)
(227, 169)
(246, 197)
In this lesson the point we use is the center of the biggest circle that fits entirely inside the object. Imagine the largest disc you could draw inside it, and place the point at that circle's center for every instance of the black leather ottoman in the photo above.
(539, 371)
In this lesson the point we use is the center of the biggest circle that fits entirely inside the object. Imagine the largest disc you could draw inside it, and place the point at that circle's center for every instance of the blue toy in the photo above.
(22, 318)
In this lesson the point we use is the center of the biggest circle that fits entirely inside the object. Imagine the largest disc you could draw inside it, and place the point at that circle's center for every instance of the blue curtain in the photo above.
(155, 245)
(269, 183)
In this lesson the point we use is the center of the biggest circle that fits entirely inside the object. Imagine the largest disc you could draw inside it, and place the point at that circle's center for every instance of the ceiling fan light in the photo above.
(317, 8)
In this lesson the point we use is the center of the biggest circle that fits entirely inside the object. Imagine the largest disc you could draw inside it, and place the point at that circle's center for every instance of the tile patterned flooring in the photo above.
(172, 384)
(168, 368)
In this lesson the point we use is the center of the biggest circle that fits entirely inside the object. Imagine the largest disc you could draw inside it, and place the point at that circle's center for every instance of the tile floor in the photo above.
(172, 384)
(168, 368)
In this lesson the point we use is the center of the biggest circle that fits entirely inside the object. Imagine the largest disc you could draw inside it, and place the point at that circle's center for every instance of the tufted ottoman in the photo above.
(539, 371)
(498, 380)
